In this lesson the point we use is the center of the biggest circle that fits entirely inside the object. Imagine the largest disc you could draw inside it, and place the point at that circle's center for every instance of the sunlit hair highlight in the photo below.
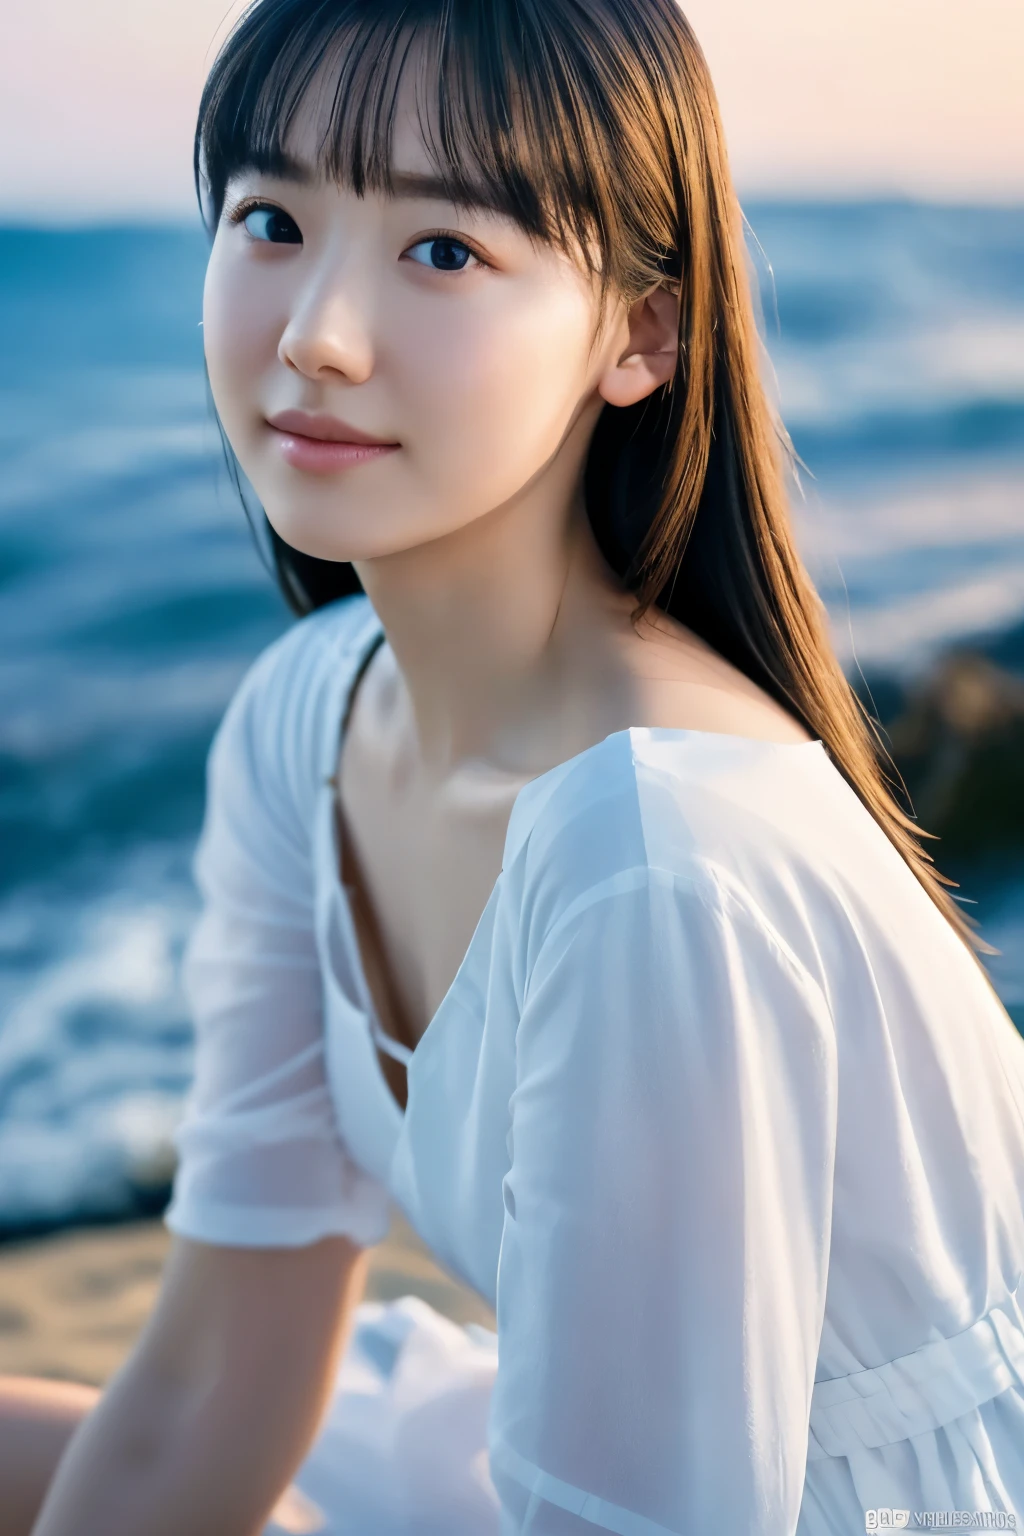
(594, 125)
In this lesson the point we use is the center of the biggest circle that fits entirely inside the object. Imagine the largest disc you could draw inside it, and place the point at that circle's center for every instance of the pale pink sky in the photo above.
(926, 97)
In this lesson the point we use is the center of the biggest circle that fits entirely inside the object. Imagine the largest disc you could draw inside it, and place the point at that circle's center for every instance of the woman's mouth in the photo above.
(323, 444)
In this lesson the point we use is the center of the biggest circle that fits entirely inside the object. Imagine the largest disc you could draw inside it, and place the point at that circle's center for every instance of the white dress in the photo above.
(718, 1114)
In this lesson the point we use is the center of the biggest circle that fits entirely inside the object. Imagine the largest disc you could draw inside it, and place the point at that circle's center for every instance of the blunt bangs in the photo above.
(512, 108)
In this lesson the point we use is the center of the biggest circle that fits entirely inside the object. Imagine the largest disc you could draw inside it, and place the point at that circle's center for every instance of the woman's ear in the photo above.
(649, 354)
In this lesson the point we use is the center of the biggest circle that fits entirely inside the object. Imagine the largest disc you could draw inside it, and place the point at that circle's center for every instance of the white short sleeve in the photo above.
(261, 1161)
(661, 1281)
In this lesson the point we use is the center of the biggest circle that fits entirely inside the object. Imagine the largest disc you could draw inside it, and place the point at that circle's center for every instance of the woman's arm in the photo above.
(204, 1425)
(665, 1248)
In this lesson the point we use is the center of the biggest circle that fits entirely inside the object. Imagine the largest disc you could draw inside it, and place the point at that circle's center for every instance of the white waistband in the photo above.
(923, 1390)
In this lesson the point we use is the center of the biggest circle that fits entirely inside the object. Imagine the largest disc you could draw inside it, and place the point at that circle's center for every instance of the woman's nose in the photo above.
(328, 334)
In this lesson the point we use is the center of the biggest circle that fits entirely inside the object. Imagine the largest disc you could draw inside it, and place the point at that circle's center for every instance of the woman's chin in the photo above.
(309, 536)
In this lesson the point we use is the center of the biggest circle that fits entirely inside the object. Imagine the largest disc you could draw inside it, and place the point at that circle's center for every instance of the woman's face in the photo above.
(447, 334)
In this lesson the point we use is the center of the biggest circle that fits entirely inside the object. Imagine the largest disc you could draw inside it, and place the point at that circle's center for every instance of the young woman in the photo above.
(553, 888)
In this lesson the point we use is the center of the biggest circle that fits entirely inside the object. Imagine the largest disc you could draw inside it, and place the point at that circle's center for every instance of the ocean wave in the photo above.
(133, 600)
(96, 1049)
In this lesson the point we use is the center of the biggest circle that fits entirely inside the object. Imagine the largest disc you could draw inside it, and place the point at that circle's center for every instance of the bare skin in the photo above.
(509, 649)
(37, 1419)
(205, 1423)
(422, 851)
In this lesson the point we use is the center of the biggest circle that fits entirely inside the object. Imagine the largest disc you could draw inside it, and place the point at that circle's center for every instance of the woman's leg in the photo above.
(37, 1419)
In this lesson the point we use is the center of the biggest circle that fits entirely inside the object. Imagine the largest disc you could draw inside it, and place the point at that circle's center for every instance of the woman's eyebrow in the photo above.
(423, 184)
(412, 184)
(275, 163)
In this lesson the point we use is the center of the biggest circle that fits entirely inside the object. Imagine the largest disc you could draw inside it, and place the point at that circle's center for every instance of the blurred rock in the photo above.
(956, 736)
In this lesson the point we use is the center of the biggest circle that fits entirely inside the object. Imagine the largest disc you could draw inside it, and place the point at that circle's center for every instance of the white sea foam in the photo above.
(902, 636)
(88, 1114)
(908, 569)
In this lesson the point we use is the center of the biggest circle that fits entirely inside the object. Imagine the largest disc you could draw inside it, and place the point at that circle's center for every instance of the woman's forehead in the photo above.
(413, 170)
(306, 142)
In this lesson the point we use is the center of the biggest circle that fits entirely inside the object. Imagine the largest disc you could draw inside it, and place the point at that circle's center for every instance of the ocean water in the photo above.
(132, 599)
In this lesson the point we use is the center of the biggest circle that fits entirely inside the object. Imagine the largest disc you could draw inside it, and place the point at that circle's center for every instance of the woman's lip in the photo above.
(321, 455)
(323, 428)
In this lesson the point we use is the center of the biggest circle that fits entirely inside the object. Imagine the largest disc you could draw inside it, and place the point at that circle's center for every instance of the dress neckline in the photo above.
(396, 1049)
(366, 648)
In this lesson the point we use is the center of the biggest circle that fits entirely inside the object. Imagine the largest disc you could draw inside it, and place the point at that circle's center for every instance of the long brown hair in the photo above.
(594, 125)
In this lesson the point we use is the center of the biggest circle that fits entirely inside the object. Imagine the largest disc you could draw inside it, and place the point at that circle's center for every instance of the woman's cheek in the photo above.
(222, 336)
(506, 394)
(237, 340)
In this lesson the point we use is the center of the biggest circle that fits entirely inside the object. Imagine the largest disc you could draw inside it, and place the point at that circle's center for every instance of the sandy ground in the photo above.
(72, 1304)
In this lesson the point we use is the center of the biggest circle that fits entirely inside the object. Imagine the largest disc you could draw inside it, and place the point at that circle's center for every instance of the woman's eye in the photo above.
(444, 253)
(273, 225)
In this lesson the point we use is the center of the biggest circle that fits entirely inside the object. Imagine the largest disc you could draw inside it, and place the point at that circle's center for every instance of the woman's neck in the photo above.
(509, 637)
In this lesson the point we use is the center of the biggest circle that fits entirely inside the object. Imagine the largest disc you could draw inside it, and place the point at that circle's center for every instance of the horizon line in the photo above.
(81, 220)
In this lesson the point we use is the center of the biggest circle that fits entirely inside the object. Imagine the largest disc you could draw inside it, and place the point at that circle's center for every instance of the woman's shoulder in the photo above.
(280, 724)
(656, 794)
(312, 651)
(730, 820)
